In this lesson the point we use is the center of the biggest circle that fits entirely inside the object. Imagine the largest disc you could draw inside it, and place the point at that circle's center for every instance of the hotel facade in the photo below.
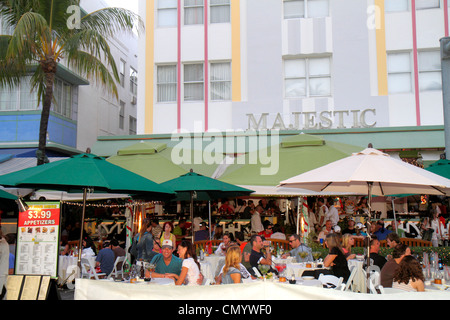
(218, 65)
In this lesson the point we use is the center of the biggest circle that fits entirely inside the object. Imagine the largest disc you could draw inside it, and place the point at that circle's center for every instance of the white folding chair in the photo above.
(116, 270)
(88, 270)
(331, 281)
(348, 284)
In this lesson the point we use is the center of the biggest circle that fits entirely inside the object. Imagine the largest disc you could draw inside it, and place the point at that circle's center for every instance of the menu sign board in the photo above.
(38, 239)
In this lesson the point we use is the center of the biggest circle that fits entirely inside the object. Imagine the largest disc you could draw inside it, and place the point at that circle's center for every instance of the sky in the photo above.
(128, 4)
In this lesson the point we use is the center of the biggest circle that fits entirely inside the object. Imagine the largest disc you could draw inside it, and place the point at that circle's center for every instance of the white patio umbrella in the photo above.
(370, 171)
(371, 167)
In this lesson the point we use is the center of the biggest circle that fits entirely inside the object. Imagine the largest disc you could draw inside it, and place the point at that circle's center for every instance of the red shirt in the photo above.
(266, 233)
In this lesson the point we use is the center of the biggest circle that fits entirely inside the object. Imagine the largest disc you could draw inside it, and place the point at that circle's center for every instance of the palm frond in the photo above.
(31, 30)
(93, 43)
(92, 68)
(110, 21)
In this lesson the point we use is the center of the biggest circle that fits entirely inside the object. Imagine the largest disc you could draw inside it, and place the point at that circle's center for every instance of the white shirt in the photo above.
(256, 223)
(332, 215)
(193, 271)
(4, 262)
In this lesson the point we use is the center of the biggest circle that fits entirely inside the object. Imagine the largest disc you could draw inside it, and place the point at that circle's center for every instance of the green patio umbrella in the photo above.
(7, 195)
(150, 160)
(206, 188)
(440, 167)
(83, 172)
(296, 154)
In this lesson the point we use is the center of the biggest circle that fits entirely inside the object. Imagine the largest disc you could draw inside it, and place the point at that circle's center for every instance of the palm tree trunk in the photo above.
(49, 68)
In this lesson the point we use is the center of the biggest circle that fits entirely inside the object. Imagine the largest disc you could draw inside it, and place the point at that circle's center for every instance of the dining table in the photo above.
(297, 268)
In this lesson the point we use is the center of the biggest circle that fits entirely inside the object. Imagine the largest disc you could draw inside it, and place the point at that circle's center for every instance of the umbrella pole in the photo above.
(393, 210)
(80, 247)
(369, 239)
(298, 216)
(192, 216)
(209, 225)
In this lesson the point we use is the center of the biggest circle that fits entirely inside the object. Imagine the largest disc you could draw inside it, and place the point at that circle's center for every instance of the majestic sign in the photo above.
(313, 120)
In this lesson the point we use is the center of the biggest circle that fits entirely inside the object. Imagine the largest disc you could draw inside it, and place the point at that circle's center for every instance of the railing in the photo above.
(410, 242)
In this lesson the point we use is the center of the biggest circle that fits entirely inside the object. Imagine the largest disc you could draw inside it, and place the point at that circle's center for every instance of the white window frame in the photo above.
(189, 82)
(160, 9)
(197, 7)
(160, 99)
(122, 105)
(122, 68)
(212, 6)
(423, 71)
(306, 14)
(308, 77)
(133, 81)
(228, 95)
(409, 73)
(132, 129)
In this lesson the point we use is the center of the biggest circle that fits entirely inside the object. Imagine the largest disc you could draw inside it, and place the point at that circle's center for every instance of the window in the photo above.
(122, 115)
(430, 70)
(427, 4)
(19, 97)
(220, 11)
(122, 64)
(220, 81)
(399, 72)
(309, 77)
(133, 81)
(167, 13)
(193, 12)
(62, 94)
(193, 82)
(167, 83)
(133, 126)
(404, 5)
(305, 9)
(396, 5)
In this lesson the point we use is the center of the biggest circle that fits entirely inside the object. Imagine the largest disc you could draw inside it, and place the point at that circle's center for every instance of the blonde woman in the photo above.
(347, 243)
(231, 273)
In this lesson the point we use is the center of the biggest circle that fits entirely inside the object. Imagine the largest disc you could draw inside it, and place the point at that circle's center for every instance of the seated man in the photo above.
(166, 264)
(257, 258)
(326, 231)
(105, 259)
(377, 259)
(300, 251)
(203, 233)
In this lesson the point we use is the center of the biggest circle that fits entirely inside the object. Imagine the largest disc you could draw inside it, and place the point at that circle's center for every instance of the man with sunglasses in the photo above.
(300, 251)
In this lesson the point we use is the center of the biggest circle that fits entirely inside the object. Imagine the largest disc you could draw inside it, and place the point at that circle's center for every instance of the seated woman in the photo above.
(190, 269)
(336, 258)
(347, 242)
(231, 273)
(222, 249)
(409, 275)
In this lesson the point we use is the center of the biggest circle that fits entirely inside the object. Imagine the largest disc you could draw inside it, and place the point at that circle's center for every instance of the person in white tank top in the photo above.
(190, 269)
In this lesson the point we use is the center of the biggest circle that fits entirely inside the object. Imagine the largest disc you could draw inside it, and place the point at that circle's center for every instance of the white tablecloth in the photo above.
(215, 261)
(86, 289)
(359, 281)
(295, 268)
(207, 270)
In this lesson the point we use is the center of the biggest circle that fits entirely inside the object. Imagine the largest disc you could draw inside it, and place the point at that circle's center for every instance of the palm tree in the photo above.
(41, 36)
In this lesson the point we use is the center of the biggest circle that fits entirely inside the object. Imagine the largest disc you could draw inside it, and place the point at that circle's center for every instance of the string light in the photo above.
(98, 205)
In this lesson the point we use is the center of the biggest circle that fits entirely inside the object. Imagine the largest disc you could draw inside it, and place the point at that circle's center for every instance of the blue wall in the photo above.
(24, 127)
